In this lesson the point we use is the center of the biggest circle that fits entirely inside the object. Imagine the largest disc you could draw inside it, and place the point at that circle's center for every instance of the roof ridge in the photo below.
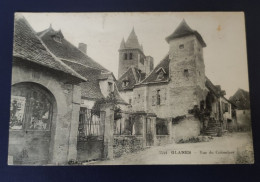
(80, 64)
(62, 63)
(124, 73)
(153, 69)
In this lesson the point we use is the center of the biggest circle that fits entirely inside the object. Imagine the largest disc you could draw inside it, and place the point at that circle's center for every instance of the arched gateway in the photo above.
(32, 114)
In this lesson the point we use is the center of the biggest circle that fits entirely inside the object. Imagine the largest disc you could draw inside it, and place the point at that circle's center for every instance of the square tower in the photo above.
(186, 68)
(131, 55)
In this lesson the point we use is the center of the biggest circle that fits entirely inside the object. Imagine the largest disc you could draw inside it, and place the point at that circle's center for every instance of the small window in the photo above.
(131, 56)
(160, 75)
(130, 101)
(181, 46)
(110, 87)
(125, 56)
(125, 83)
(186, 72)
(57, 39)
(158, 97)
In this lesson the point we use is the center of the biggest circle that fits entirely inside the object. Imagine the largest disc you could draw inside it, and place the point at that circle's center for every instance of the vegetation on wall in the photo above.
(110, 99)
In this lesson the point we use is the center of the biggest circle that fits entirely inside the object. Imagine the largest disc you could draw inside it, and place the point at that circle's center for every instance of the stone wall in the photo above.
(125, 64)
(63, 133)
(125, 144)
(243, 119)
(127, 95)
(186, 87)
(186, 129)
(163, 140)
(91, 149)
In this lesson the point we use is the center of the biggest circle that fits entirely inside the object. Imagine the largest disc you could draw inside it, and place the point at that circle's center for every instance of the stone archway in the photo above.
(33, 113)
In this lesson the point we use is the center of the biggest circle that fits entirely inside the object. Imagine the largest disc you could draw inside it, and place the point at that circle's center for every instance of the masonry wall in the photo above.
(186, 129)
(63, 135)
(243, 119)
(125, 64)
(126, 145)
(127, 95)
(174, 101)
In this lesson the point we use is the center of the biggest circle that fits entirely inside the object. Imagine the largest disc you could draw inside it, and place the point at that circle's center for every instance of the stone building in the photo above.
(54, 88)
(134, 66)
(241, 107)
(45, 102)
(173, 88)
(100, 85)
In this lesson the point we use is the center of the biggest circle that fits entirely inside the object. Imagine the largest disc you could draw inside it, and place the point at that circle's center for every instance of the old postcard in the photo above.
(130, 89)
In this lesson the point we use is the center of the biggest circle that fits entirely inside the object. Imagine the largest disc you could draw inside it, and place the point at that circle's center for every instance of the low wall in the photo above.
(185, 129)
(90, 149)
(162, 140)
(124, 144)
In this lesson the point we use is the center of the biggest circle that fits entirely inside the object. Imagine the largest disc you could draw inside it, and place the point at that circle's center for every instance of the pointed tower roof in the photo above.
(132, 41)
(122, 45)
(184, 30)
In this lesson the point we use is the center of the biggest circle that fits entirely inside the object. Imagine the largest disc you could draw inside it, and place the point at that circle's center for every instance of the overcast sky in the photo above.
(224, 33)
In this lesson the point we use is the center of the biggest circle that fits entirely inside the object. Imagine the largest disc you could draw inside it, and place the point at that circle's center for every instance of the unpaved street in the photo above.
(220, 150)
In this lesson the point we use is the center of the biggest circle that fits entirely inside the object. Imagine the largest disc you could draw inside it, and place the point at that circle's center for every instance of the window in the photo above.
(131, 56)
(110, 87)
(125, 56)
(226, 107)
(160, 75)
(186, 73)
(181, 46)
(158, 97)
(130, 101)
(57, 39)
(125, 83)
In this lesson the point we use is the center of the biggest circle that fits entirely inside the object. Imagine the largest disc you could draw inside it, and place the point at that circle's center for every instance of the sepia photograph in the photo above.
(139, 88)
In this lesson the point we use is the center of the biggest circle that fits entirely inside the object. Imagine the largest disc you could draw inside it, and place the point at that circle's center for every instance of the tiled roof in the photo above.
(153, 76)
(106, 75)
(122, 45)
(183, 30)
(119, 99)
(65, 50)
(213, 88)
(90, 89)
(29, 47)
(131, 76)
(241, 99)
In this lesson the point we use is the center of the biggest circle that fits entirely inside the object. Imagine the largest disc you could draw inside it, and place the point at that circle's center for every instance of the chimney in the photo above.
(83, 48)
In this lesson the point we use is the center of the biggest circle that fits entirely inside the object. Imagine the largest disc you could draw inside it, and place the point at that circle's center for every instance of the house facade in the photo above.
(54, 88)
(241, 107)
(175, 87)
(45, 102)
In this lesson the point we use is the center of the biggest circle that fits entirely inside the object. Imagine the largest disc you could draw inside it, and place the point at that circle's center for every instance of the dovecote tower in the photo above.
(186, 67)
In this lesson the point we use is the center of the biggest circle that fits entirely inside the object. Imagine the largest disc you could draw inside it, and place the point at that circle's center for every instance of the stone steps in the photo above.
(212, 129)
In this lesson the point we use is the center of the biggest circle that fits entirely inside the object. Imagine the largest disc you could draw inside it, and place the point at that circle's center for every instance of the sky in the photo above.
(225, 56)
